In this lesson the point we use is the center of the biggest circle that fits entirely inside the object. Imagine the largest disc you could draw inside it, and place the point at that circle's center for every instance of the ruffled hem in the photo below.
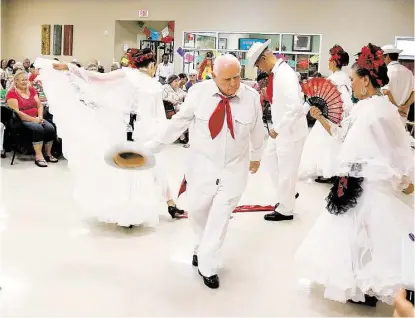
(384, 290)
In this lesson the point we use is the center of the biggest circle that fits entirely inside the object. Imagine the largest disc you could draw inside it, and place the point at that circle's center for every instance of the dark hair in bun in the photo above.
(370, 63)
(143, 58)
(339, 56)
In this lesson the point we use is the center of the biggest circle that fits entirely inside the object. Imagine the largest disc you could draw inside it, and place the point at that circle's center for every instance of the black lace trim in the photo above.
(344, 194)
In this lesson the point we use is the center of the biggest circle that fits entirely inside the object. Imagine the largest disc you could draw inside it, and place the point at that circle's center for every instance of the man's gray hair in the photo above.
(224, 60)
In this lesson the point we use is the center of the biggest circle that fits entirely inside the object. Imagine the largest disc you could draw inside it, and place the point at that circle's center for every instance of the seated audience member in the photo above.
(172, 92)
(193, 79)
(33, 73)
(18, 66)
(3, 74)
(261, 87)
(175, 95)
(182, 80)
(10, 65)
(101, 69)
(115, 66)
(92, 67)
(24, 100)
(26, 66)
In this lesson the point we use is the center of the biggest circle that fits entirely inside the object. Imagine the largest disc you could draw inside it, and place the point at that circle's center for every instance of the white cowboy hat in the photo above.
(388, 49)
(130, 155)
(255, 51)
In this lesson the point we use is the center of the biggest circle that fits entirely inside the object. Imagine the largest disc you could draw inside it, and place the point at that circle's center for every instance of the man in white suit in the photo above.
(224, 118)
(289, 128)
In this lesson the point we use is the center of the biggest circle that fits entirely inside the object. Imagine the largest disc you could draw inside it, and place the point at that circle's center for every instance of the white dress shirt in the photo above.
(401, 82)
(288, 117)
(164, 70)
(223, 160)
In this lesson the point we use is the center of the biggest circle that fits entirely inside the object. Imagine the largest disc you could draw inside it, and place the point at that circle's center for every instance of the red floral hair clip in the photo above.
(371, 62)
(144, 57)
(335, 52)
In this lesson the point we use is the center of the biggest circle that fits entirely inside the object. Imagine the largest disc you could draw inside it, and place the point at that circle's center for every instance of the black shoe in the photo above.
(211, 282)
(173, 210)
(297, 195)
(370, 301)
(195, 261)
(323, 180)
(275, 216)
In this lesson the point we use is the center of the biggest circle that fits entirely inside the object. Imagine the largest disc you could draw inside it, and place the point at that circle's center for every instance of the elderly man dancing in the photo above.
(225, 122)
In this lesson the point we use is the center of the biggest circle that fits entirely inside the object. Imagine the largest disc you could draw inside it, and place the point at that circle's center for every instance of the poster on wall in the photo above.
(57, 39)
(45, 49)
(68, 40)
(245, 44)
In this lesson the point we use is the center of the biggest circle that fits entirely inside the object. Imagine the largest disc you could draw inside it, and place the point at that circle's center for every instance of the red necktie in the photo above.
(218, 118)
(270, 87)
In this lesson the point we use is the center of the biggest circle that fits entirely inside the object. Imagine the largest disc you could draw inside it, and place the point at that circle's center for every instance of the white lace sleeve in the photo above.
(340, 132)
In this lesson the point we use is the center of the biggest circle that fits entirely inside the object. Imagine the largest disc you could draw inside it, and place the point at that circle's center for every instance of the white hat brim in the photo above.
(254, 58)
(392, 51)
(132, 147)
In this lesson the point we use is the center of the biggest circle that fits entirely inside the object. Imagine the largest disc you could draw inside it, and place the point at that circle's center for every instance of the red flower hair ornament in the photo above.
(335, 52)
(138, 58)
(371, 62)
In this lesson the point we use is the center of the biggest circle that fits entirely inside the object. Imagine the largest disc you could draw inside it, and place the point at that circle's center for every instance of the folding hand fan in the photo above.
(322, 93)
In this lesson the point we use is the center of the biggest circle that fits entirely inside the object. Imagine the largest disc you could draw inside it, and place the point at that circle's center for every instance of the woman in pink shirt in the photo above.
(24, 100)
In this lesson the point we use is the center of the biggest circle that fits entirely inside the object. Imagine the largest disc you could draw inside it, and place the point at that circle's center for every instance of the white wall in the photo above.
(350, 23)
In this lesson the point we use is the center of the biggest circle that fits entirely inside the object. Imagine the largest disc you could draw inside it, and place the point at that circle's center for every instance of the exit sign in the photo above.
(143, 13)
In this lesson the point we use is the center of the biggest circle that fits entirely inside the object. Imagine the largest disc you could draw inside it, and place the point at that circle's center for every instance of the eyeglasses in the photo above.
(192, 75)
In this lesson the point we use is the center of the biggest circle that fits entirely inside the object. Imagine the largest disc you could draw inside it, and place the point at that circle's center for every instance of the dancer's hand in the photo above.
(254, 166)
(403, 110)
(315, 112)
(273, 134)
(60, 67)
(403, 308)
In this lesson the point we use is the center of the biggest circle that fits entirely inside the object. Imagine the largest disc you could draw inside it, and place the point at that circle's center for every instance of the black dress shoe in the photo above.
(173, 210)
(275, 216)
(195, 261)
(370, 301)
(297, 195)
(211, 282)
(324, 180)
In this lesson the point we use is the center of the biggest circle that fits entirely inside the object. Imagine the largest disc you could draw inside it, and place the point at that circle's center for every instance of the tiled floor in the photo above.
(56, 262)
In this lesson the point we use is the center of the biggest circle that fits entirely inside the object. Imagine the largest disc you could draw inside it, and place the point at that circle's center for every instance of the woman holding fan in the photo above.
(354, 249)
(320, 150)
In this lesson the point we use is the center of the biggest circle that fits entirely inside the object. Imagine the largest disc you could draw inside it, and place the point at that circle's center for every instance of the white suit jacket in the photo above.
(222, 161)
(288, 117)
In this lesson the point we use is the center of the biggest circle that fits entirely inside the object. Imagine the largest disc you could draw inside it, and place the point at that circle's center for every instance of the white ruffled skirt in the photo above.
(112, 195)
(319, 155)
(359, 252)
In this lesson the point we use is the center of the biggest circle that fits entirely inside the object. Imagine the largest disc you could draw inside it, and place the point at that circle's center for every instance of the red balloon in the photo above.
(171, 25)
(167, 39)
(146, 31)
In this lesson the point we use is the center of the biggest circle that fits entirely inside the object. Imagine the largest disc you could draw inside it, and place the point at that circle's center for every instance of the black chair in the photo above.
(16, 137)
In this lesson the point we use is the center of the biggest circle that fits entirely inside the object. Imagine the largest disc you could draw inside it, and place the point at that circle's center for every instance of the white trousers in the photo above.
(209, 216)
(161, 179)
(282, 160)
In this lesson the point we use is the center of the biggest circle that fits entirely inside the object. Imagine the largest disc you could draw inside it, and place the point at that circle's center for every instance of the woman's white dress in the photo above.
(360, 252)
(92, 111)
(320, 150)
